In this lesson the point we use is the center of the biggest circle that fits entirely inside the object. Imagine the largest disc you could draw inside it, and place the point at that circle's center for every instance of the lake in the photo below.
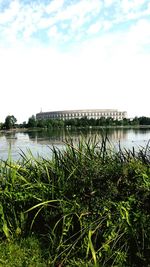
(41, 142)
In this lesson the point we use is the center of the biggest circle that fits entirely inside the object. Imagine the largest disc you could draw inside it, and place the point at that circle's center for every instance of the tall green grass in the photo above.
(88, 205)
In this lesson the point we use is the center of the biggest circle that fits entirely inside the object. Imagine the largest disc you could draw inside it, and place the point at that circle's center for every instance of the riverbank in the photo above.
(87, 206)
(15, 130)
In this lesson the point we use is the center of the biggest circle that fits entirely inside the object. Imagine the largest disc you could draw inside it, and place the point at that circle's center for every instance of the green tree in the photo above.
(135, 121)
(1, 125)
(109, 121)
(32, 122)
(101, 121)
(144, 120)
(41, 123)
(10, 122)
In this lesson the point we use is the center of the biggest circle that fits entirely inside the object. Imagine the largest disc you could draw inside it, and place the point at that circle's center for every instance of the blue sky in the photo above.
(74, 54)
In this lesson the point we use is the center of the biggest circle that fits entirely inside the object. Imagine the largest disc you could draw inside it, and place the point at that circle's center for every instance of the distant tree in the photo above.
(109, 121)
(84, 122)
(41, 123)
(1, 125)
(101, 121)
(32, 122)
(125, 122)
(118, 122)
(56, 123)
(144, 120)
(61, 123)
(24, 124)
(10, 122)
(92, 122)
(135, 121)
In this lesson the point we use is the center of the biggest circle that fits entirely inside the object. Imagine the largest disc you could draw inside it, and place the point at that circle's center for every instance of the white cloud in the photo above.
(10, 14)
(55, 35)
(139, 34)
(128, 5)
(108, 3)
(20, 22)
(107, 25)
(129, 11)
(45, 23)
(132, 10)
(53, 31)
(81, 8)
(77, 23)
(54, 6)
(95, 28)
(78, 14)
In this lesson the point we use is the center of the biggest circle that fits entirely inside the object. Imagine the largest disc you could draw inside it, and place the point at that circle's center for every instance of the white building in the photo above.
(88, 113)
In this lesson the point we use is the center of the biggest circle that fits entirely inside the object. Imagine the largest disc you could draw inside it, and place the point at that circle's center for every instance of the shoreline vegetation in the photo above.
(11, 123)
(18, 129)
(87, 206)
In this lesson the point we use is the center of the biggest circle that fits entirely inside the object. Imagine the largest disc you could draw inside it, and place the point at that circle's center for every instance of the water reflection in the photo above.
(40, 141)
(56, 137)
(11, 139)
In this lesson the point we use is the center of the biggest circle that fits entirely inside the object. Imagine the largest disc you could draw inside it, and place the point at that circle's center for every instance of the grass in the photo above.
(88, 205)
(25, 252)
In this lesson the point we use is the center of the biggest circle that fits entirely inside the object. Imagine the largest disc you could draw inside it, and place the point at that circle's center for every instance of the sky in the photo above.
(74, 54)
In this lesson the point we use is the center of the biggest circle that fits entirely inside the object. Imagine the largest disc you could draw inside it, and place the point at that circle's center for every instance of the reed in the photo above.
(88, 205)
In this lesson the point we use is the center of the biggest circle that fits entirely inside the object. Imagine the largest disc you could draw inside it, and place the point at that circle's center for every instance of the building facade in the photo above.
(88, 113)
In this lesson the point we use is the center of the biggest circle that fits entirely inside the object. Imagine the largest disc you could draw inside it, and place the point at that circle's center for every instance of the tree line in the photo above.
(11, 122)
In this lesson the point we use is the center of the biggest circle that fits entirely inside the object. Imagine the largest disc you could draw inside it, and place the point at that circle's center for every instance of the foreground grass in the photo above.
(25, 252)
(87, 206)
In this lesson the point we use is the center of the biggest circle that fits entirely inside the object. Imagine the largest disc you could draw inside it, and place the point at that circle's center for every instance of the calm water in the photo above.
(41, 142)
